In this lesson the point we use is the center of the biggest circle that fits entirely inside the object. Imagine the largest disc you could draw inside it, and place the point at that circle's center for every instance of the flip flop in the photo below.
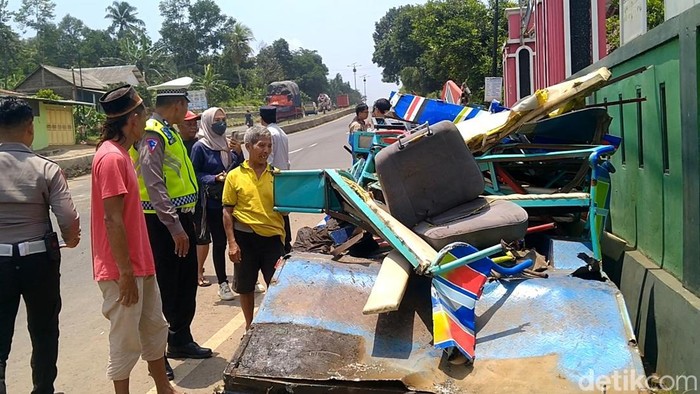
(203, 282)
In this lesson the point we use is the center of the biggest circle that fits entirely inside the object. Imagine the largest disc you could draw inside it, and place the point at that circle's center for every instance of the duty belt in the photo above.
(23, 248)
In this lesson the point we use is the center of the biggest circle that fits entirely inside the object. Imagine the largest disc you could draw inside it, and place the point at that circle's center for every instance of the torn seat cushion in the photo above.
(479, 222)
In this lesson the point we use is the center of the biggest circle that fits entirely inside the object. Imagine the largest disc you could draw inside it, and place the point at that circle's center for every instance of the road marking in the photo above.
(183, 370)
(312, 145)
(296, 150)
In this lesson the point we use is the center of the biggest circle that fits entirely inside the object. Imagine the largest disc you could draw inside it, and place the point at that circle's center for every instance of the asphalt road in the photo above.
(218, 324)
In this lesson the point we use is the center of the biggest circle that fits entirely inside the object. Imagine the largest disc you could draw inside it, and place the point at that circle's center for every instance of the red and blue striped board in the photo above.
(451, 93)
(419, 109)
(454, 295)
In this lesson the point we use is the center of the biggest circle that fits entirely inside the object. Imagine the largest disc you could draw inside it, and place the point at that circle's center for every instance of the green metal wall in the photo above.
(655, 201)
(647, 209)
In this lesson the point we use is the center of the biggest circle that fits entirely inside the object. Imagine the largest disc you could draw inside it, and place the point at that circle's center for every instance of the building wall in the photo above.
(41, 134)
(553, 48)
(655, 191)
(45, 80)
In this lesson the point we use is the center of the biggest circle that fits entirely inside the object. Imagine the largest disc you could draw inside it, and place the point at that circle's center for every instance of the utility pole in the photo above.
(354, 72)
(364, 81)
(495, 39)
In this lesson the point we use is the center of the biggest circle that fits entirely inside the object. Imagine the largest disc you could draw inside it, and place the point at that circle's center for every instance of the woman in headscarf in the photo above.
(213, 156)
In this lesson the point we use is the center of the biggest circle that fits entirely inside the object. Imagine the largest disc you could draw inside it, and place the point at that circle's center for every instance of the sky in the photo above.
(341, 31)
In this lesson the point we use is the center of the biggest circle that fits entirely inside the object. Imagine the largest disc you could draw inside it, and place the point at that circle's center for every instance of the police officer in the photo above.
(29, 248)
(168, 197)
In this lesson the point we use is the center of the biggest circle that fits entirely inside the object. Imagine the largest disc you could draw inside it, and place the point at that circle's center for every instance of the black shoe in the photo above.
(191, 350)
(169, 370)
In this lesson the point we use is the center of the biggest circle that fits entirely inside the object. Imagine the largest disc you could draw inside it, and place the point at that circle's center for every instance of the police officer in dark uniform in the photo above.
(29, 248)
(169, 193)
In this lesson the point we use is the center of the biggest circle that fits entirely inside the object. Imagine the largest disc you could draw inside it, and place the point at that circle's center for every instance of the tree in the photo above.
(280, 51)
(423, 46)
(394, 47)
(5, 14)
(309, 72)
(212, 84)
(70, 32)
(35, 14)
(238, 48)
(124, 19)
(193, 32)
(267, 65)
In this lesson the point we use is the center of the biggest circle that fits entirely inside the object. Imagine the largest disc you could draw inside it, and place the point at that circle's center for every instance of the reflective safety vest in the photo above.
(178, 172)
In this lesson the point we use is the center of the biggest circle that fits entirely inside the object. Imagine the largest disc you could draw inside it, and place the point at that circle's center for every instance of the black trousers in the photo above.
(215, 222)
(36, 279)
(288, 235)
(177, 277)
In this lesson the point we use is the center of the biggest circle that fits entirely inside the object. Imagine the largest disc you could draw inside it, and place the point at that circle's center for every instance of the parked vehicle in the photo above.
(310, 108)
(342, 101)
(285, 95)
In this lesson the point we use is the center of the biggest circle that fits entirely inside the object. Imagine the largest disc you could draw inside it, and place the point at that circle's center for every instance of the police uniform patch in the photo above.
(168, 133)
(151, 143)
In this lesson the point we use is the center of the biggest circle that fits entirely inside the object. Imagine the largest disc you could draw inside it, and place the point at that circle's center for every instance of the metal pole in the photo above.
(354, 73)
(495, 39)
(364, 80)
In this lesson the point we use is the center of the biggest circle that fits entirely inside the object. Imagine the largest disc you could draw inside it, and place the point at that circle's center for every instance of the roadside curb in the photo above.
(76, 166)
(81, 165)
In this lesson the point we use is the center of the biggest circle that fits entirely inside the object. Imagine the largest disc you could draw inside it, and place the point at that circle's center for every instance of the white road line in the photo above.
(183, 370)
(312, 145)
(296, 150)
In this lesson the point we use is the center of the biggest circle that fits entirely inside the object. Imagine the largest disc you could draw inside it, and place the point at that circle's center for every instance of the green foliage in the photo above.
(88, 122)
(198, 40)
(35, 14)
(124, 19)
(212, 84)
(422, 46)
(238, 46)
(192, 32)
(48, 94)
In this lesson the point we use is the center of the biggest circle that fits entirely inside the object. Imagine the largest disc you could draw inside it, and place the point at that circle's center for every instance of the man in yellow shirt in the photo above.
(255, 232)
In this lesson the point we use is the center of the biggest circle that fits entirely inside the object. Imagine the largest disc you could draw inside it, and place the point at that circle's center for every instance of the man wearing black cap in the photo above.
(169, 193)
(122, 259)
(279, 157)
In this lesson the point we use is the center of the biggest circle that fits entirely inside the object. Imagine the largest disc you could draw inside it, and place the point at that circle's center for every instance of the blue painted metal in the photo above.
(563, 253)
(300, 191)
(561, 329)
(579, 321)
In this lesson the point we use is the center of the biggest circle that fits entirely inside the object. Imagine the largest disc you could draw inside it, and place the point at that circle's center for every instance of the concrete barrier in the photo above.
(317, 120)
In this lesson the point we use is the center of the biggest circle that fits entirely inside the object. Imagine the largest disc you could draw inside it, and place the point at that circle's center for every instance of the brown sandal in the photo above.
(203, 282)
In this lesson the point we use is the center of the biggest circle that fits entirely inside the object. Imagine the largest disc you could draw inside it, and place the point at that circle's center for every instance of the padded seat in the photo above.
(481, 223)
(433, 185)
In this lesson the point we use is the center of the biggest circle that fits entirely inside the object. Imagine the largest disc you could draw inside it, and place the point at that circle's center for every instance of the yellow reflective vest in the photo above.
(178, 172)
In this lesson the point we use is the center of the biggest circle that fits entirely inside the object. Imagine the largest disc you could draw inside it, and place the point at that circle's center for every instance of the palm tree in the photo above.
(239, 46)
(211, 82)
(124, 20)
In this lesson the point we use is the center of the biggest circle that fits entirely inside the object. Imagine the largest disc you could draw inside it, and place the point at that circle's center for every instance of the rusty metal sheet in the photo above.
(533, 335)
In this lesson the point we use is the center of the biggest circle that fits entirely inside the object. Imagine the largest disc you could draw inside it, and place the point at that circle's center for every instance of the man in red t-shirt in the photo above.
(122, 259)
